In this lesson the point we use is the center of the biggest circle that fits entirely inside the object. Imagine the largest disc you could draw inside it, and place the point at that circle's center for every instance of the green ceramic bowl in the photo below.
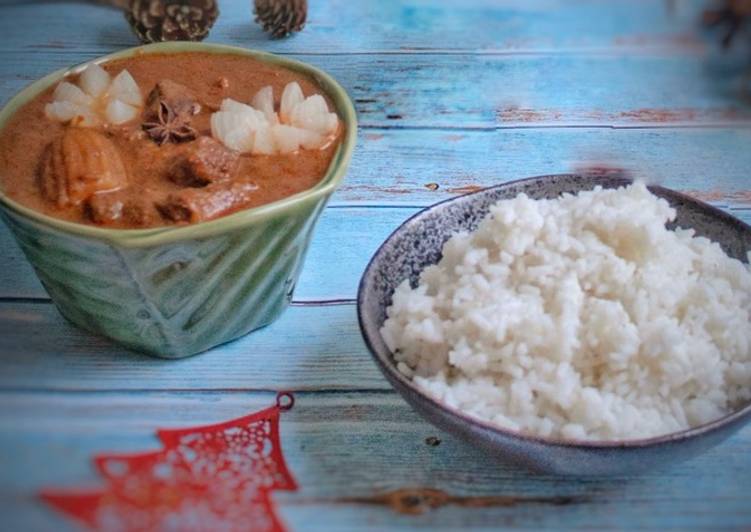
(173, 292)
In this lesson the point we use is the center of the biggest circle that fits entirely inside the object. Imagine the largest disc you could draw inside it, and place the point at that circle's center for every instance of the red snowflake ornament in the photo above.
(212, 478)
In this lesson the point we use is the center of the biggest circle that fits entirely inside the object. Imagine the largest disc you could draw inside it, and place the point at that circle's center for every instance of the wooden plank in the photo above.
(401, 167)
(489, 91)
(345, 26)
(308, 348)
(357, 457)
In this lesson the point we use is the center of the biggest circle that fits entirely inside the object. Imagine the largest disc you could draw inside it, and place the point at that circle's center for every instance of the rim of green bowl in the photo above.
(169, 234)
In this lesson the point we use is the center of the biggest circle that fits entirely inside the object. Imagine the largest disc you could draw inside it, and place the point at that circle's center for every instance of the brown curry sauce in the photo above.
(159, 191)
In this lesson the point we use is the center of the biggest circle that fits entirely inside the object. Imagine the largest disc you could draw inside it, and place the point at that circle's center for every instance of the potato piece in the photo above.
(80, 163)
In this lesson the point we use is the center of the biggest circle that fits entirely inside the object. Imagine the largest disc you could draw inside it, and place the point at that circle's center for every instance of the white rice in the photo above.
(580, 318)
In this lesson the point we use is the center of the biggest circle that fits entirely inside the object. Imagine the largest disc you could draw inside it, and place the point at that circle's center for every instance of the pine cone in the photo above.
(171, 20)
(732, 15)
(281, 17)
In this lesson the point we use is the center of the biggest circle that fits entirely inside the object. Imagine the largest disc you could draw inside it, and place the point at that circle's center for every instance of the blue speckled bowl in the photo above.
(417, 243)
(176, 291)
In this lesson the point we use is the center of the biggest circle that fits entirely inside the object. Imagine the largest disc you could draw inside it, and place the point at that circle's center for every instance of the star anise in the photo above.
(169, 127)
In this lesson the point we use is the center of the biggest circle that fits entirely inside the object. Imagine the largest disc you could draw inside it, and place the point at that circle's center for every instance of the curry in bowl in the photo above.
(166, 195)
(160, 139)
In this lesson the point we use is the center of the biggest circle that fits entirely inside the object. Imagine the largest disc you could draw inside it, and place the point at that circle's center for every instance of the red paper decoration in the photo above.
(212, 478)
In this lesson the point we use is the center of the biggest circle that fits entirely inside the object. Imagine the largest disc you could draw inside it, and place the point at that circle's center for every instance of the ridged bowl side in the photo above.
(178, 299)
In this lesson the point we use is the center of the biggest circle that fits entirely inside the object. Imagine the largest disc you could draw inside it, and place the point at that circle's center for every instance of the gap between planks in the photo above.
(301, 392)
(698, 48)
(737, 124)
(295, 303)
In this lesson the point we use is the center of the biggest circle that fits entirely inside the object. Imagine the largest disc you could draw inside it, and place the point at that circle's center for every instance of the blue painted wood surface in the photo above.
(454, 94)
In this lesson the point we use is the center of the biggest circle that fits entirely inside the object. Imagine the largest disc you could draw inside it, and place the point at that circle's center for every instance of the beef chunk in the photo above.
(201, 204)
(119, 208)
(203, 162)
(178, 98)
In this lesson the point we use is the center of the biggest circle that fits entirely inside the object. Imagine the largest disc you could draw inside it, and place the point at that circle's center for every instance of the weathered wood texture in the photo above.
(456, 64)
(392, 26)
(362, 463)
(309, 348)
(455, 94)
(502, 91)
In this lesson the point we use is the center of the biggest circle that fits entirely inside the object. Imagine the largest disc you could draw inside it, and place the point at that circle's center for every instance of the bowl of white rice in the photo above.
(569, 324)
